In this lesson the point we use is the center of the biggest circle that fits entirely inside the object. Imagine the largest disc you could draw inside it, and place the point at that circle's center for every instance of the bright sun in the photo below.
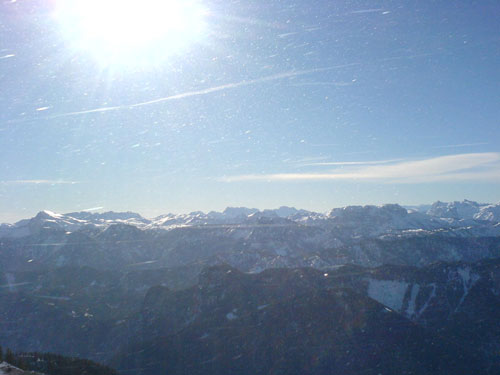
(130, 32)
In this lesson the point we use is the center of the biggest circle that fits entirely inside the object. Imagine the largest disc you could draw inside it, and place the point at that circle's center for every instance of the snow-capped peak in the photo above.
(238, 211)
(455, 210)
(367, 220)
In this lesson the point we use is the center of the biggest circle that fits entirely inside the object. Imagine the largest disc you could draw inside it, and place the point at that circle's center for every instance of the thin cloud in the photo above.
(460, 167)
(92, 209)
(285, 35)
(39, 182)
(234, 85)
(310, 159)
(463, 145)
(348, 163)
(362, 11)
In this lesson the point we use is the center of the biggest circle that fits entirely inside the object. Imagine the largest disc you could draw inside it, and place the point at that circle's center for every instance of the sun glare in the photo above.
(131, 31)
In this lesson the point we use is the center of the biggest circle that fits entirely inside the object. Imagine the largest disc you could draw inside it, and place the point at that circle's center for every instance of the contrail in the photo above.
(241, 84)
(38, 182)
(234, 85)
(96, 110)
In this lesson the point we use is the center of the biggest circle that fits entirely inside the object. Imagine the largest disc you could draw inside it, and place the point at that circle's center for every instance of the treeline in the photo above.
(54, 364)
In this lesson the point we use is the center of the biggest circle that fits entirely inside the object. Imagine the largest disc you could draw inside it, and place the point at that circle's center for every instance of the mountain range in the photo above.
(360, 289)
(253, 240)
(393, 216)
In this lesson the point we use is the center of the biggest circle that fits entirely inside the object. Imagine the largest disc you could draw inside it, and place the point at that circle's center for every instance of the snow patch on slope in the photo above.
(410, 311)
(388, 292)
(426, 304)
(468, 281)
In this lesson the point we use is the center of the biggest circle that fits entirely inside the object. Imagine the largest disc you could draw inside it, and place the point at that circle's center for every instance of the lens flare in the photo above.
(131, 32)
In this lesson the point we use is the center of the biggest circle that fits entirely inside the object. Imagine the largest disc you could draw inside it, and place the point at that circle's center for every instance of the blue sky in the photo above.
(312, 104)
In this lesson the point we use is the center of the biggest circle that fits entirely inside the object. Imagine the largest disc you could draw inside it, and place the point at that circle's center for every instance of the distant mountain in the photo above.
(489, 212)
(466, 210)
(71, 222)
(392, 216)
(253, 240)
(420, 207)
(435, 215)
(234, 212)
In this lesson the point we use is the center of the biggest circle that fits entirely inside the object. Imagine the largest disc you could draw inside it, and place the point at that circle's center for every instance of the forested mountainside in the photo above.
(454, 306)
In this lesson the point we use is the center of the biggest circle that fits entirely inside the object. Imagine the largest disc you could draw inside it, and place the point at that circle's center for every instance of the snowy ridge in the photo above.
(369, 221)
(248, 239)
(466, 210)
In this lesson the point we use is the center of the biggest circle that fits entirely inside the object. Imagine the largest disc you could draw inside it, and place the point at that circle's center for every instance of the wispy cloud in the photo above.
(93, 209)
(463, 145)
(285, 35)
(210, 90)
(39, 182)
(307, 160)
(460, 167)
(372, 10)
(347, 163)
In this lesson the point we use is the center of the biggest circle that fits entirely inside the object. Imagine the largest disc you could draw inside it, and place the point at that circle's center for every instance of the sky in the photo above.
(312, 104)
